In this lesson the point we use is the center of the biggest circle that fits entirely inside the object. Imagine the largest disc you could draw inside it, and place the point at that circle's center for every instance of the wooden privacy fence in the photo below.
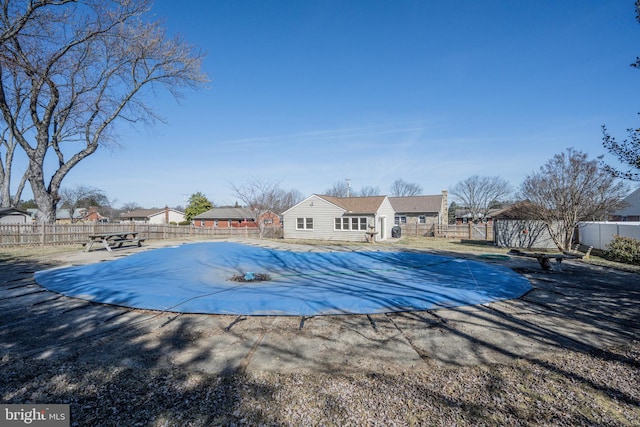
(462, 231)
(66, 234)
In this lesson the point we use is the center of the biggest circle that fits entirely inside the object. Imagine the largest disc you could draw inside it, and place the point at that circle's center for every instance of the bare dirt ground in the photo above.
(565, 353)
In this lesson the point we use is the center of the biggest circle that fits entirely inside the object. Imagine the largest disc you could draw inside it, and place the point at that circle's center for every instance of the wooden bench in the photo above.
(544, 258)
(117, 243)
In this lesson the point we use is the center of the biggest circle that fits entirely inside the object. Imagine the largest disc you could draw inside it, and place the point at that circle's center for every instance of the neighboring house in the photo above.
(631, 212)
(513, 227)
(63, 216)
(153, 216)
(339, 218)
(92, 215)
(225, 218)
(463, 216)
(420, 209)
(14, 216)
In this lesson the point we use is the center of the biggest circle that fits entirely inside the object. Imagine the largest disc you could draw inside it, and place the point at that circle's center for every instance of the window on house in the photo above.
(341, 223)
(304, 223)
(202, 223)
(399, 220)
(350, 223)
(215, 222)
(422, 219)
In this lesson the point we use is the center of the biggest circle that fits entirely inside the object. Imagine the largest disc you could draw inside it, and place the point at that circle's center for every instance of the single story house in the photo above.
(412, 210)
(631, 212)
(153, 216)
(226, 218)
(514, 227)
(352, 219)
(14, 216)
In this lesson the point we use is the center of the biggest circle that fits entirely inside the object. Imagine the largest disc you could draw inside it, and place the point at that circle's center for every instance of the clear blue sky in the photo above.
(310, 93)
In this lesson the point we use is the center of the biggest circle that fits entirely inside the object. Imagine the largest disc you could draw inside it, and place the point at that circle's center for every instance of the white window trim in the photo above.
(349, 223)
(305, 220)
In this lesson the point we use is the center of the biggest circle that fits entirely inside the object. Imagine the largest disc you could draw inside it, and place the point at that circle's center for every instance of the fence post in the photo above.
(42, 235)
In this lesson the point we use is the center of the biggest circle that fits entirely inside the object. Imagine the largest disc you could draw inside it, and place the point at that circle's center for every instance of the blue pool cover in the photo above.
(195, 278)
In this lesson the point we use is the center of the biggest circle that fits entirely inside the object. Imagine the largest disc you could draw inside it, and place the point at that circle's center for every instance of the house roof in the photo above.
(357, 205)
(10, 211)
(141, 213)
(416, 204)
(633, 205)
(226, 213)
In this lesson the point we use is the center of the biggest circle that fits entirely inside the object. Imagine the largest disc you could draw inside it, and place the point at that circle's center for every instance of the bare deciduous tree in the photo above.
(627, 152)
(568, 189)
(262, 196)
(82, 196)
(368, 190)
(479, 193)
(71, 70)
(402, 188)
(340, 189)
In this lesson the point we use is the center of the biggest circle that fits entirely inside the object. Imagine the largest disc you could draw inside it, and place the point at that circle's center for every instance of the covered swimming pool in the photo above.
(220, 278)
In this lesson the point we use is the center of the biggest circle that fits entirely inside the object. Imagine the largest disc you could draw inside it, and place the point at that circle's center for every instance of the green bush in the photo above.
(623, 249)
(187, 222)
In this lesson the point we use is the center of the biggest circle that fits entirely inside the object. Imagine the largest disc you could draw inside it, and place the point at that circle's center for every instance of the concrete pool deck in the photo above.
(582, 308)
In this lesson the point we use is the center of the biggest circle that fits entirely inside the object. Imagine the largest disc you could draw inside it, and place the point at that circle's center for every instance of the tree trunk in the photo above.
(47, 201)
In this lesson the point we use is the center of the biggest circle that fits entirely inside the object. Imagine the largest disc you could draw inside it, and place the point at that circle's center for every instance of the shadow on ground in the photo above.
(566, 352)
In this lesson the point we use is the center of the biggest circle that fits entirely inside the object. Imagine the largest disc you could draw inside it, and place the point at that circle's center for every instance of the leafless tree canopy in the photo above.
(340, 189)
(402, 188)
(568, 189)
(82, 196)
(262, 196)
(71, 70)
(627, 151)
(369, 190)
(478, 193)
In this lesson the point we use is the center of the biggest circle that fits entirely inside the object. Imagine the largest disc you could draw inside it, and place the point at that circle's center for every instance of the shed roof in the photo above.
(417, 204)
(520, 210)
(11, 211)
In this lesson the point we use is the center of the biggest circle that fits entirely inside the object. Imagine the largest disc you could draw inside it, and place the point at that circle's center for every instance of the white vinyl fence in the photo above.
(600, 234)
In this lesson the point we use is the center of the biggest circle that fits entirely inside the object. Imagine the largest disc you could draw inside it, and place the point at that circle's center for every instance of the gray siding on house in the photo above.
(324, 214)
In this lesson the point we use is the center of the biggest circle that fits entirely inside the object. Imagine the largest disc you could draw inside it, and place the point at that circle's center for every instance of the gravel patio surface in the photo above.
(565, 353)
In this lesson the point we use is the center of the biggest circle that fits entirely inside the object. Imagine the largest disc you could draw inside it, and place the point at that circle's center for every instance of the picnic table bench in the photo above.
(544, 258)
(113, 240)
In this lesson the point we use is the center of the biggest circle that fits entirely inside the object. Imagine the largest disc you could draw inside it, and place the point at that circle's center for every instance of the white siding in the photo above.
(160, 217)
(323, 214)
(384, 220)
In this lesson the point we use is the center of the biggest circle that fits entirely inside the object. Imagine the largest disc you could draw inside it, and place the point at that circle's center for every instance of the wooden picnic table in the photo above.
(109, 240)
